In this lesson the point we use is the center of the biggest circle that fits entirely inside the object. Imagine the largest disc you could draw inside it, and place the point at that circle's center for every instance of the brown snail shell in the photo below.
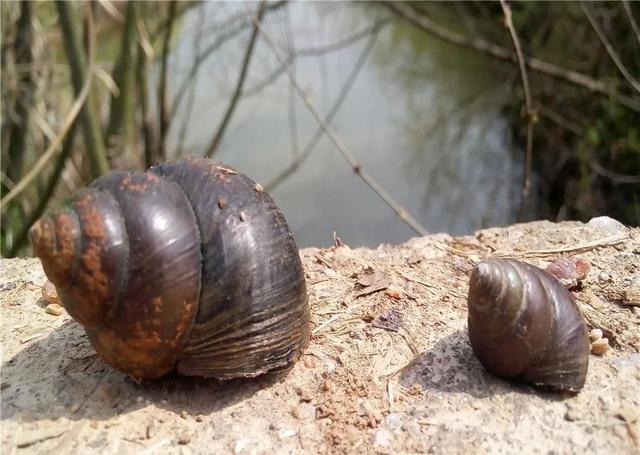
(523, 323)
(187, 266)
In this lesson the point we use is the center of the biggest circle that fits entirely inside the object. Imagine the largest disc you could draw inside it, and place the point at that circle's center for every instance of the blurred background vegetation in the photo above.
(429, 96)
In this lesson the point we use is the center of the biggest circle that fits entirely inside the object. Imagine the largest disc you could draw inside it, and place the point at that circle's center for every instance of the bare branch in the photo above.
(162, 90)
(499, 52)
(239, 84)
(89, 116)
(617, 179)
(632, 20)
(400, 211)
(53, 146)
(530, 114)
(342, 96)
(313, 52)
(558, 119)
(610, 50)
(210, 49)
(293, 124)
(47, 193)
(148, 129)
(197, 41)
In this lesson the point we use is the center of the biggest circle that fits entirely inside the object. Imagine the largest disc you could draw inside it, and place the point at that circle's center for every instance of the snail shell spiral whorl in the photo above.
(523, 323)
(188, 266)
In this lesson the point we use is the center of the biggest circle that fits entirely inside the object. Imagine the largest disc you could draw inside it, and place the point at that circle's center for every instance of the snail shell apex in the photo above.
(523, 323)
(162, 276)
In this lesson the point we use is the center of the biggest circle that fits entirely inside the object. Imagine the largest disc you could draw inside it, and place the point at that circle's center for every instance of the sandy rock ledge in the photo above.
(389, 368)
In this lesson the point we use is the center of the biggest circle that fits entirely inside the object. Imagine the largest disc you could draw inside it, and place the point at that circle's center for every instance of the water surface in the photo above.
(424, 119)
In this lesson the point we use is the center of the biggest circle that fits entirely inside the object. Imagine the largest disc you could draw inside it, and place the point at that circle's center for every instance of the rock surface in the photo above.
(362, 386)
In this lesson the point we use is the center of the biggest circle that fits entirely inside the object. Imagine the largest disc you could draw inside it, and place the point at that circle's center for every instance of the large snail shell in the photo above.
(523, 323)
(187, 266)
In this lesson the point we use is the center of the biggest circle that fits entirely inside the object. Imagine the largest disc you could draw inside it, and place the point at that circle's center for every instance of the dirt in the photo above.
(389, 368)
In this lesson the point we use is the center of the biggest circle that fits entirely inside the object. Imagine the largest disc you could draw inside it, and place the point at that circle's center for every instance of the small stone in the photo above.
(599, 347)
(304, 411)
(595, 334)
(604, 277)
(50, 293)
(183, 414)
(184, 439)
(53, 309)
(394, 292)
(199, 418)
(393, 421)
(607, 225)
(383, 439)
(259, 188)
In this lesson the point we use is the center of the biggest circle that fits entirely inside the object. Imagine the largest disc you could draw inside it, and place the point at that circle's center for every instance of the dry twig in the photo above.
(314, 51)
(530, 113)
(53, 145)
(215, 142)
(610, 50)
(162, 90)
(580, 248)
(342, 96)
(400, 211)
(197, 41)
(632, 20)
(499, 52)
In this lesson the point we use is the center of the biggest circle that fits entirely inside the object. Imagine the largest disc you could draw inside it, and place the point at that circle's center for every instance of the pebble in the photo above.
(184, 439)
(183, 414)
(606, 224)
(595, 334)
(53, 309)
(199, 418)
(304, 411)
(604, 277)
(50, 293)
(599, 347)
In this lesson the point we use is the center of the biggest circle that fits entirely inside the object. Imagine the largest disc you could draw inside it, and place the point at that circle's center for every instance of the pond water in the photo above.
(424, 118)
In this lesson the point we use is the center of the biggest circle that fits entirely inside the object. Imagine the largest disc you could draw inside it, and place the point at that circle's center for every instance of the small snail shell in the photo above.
(523, 323)
(186, 266)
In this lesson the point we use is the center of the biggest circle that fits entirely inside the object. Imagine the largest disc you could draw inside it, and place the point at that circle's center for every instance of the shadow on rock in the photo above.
(61, 376)
(451, 366)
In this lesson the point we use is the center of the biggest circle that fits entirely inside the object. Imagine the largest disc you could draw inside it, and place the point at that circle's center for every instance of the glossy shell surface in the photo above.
(187, 266)
(523, 323)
